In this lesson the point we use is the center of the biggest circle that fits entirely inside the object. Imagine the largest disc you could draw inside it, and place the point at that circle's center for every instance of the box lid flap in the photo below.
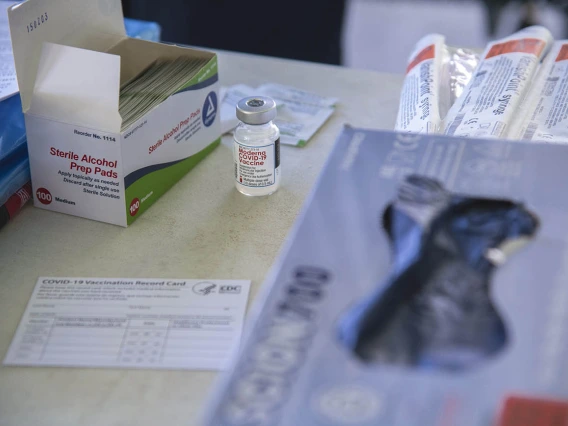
(88, 24)
(78, 86)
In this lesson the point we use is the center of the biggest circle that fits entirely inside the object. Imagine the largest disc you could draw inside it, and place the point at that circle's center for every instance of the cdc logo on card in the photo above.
(204, 288)
(230, 289)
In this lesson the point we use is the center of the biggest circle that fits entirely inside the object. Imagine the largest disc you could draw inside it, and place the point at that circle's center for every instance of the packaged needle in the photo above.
(419, 101)
(544, 114)
(435, 77)
(492, 98)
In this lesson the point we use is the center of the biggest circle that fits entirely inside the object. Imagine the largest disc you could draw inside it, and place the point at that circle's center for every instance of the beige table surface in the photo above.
(201, 229)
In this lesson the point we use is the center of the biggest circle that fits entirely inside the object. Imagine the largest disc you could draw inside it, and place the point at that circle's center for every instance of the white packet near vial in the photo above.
(299, 122)
(288, 93)
(300, 113)
(544, 116)
(491, 99)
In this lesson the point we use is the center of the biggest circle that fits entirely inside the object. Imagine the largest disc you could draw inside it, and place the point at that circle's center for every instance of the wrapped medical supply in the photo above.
(543, 116)
(435, 77)
(490, 101)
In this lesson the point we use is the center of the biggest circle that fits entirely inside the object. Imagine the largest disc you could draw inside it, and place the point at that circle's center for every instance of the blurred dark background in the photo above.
(298, 29)
(373, 34)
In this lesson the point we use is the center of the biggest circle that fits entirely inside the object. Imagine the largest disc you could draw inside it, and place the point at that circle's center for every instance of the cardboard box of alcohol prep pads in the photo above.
(399, 300)
(71, 57)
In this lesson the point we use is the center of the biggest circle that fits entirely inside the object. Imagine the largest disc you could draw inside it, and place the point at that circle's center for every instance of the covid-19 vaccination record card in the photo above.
(130, 323)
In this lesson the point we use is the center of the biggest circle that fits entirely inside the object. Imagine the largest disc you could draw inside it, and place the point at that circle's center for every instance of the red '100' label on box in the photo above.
(255, 165)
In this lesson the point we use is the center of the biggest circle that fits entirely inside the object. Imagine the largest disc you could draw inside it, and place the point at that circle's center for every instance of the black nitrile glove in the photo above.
(435, 311)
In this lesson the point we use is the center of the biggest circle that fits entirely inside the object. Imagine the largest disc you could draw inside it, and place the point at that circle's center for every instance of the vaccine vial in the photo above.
(257, 147)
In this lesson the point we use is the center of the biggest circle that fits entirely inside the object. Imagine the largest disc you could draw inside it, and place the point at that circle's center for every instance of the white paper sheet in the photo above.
(8, 80)
(130, 323)
(300, 113)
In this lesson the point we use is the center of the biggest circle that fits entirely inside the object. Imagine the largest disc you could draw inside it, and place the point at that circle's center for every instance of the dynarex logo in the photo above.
(204, 288)
(209, 110)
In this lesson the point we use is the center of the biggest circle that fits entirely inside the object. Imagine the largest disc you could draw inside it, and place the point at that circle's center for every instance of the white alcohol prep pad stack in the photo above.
(154, 85)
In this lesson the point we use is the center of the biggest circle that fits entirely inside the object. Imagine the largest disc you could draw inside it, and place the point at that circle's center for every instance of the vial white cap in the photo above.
(256, 110)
